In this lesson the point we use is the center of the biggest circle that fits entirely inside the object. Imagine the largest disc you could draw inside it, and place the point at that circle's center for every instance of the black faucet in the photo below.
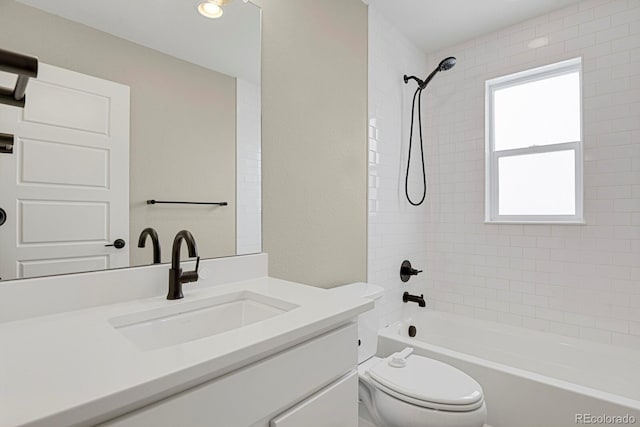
(407, 297)
(176, 276)
(150, 232)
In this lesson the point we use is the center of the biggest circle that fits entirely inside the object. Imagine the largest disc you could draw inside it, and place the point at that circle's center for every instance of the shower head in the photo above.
(445, 65)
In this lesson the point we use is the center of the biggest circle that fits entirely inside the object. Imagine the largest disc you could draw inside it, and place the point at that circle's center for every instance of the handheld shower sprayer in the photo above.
(445, 65)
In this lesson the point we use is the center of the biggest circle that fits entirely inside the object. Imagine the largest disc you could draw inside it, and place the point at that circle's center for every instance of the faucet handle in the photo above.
(191, 276)
(406, 271)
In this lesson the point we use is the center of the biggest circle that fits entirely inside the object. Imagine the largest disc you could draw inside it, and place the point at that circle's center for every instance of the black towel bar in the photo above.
(160, 202)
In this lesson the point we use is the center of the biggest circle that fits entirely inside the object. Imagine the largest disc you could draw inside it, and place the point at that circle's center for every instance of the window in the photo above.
(534, 145)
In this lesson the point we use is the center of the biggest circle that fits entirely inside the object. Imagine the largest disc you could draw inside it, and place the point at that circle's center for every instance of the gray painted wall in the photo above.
(314, 140)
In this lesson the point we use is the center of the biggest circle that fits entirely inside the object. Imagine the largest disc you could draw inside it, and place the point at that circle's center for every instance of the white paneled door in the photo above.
(65, 188)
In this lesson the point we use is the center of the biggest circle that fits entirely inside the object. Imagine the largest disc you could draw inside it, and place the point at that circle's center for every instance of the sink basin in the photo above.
(186, 321)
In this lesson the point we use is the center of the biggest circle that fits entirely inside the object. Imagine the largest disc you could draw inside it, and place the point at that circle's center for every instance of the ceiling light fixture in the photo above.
(213, 8)
(210, 9)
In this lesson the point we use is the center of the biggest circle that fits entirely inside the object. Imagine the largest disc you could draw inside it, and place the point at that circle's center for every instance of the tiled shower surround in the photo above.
(575, 280)
(249, 164)
(396, 229)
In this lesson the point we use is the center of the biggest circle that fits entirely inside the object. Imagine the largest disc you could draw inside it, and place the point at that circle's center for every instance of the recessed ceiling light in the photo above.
(210, 10)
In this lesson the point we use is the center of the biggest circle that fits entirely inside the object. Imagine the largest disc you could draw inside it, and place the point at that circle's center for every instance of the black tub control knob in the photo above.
(406, 271)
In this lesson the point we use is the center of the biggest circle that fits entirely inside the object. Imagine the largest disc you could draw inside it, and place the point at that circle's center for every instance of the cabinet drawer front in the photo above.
(257, 391)
(335, 406)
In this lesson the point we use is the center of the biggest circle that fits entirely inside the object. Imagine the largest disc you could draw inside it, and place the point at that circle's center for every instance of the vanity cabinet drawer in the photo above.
(253, 395)
(336, 406)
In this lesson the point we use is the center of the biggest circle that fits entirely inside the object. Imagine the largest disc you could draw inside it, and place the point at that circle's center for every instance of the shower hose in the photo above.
(417, 95)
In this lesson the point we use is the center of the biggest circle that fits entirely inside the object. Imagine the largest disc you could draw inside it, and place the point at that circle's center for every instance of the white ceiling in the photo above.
(435, 24)
(230, 44)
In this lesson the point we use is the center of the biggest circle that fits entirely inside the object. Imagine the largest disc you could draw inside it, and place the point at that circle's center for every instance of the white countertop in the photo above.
(74, 368)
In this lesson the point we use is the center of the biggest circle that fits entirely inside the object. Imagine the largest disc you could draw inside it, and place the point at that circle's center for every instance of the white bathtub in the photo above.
(530, 378)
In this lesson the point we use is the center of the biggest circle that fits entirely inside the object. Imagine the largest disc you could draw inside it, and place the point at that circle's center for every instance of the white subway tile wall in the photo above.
(396, 229)
(575, 280)
(249, 164)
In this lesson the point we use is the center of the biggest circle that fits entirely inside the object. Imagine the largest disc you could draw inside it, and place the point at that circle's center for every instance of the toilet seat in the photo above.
(427, 383)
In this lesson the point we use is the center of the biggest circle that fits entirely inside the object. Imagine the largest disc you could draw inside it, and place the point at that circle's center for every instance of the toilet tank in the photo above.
(368, 323)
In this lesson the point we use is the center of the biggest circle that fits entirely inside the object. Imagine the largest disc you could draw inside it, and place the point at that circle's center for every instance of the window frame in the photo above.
(492, 157)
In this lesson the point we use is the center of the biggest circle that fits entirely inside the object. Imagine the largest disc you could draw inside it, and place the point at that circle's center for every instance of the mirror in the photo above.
(135, 101)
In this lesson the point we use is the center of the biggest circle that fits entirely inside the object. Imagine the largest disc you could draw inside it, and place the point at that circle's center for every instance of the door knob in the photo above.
(118, 244)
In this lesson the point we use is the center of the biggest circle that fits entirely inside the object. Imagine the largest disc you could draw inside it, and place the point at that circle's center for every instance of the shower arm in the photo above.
(421, 83)
(407, 78)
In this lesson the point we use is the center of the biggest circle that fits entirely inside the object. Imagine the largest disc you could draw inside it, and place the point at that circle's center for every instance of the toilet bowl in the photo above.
(423, 393)
(409, 390)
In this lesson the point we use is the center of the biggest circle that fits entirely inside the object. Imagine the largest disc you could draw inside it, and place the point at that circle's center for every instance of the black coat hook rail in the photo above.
(25, 67)
(162, 202)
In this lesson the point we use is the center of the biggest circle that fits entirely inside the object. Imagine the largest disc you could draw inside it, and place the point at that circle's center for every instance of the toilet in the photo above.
(408, 390)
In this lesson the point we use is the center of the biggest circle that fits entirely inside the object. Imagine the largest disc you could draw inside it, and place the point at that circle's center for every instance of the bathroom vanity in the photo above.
(259, 352)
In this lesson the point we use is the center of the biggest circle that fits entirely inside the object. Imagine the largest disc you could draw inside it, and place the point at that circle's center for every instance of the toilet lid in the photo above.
(428, 380)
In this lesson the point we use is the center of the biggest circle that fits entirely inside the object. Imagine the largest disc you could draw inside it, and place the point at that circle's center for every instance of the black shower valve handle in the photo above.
(406, 271)
(410, 271)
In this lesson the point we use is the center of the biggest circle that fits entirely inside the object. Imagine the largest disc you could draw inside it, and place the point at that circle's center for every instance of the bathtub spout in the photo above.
(406, 297)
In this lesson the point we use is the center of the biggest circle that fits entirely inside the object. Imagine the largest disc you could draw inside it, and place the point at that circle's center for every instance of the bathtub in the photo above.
(530, 378)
